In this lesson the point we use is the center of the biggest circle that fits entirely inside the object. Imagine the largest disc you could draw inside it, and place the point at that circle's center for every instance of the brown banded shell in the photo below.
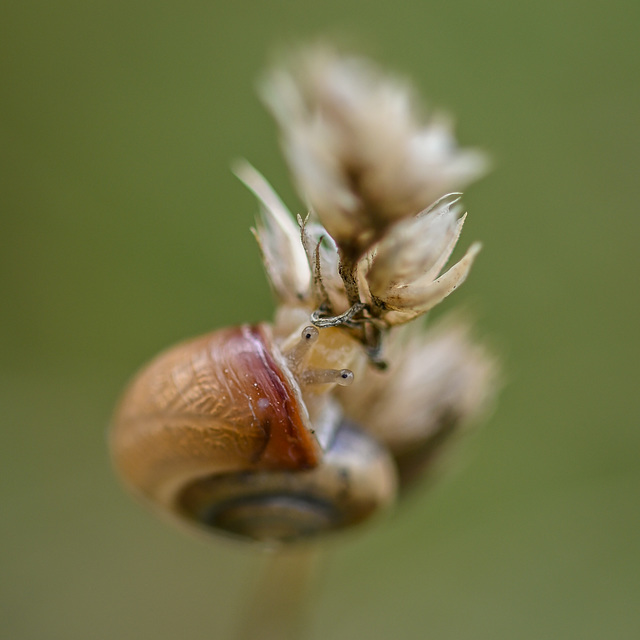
(216, 432)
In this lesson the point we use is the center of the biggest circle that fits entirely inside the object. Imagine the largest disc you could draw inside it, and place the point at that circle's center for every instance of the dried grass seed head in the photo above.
(357, 149)
(437, 379)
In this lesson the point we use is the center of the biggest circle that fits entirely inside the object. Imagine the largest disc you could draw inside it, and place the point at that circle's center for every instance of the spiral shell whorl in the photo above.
(356, 478)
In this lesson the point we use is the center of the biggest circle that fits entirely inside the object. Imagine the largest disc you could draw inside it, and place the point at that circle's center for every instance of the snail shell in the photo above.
(229, 433)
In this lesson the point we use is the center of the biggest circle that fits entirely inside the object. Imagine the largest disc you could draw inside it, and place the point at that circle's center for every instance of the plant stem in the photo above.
(278, 606)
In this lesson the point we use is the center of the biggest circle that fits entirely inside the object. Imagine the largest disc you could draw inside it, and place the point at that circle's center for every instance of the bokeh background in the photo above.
(124, 231)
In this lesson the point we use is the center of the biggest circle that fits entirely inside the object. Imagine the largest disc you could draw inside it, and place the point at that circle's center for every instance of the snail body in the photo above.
(234, 431)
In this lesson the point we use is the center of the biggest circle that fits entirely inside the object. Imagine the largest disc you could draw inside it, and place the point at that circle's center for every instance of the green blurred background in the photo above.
(123, 231)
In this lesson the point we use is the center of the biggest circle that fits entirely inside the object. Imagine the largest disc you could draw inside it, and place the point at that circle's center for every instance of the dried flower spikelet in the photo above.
(357, 149)
(278, 237)
(405, 265)
(292, 252)
(437, 382)
(324, 262)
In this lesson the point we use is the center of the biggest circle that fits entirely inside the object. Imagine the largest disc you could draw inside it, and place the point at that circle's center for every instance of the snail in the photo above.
(248, 431)
(237, 434)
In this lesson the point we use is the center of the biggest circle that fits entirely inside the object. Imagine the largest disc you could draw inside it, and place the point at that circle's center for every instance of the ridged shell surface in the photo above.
(219, 403)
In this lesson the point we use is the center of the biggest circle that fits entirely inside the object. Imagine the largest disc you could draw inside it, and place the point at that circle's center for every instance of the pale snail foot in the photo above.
(357, 316)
